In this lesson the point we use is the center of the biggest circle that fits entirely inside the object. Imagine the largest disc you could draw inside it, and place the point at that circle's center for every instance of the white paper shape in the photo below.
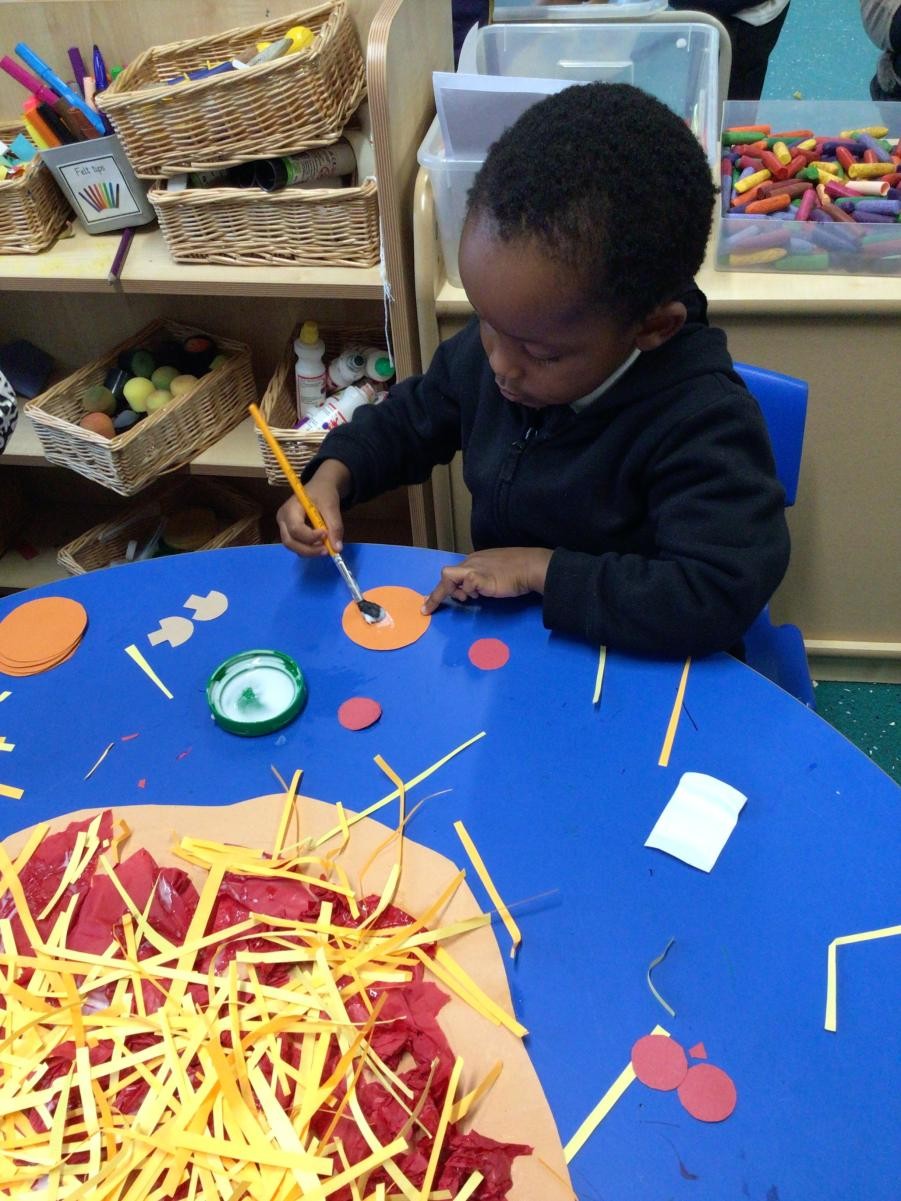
(697, 820)
(474, 110)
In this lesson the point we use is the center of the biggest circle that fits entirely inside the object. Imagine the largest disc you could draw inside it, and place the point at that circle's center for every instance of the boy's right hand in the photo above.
(331, 482)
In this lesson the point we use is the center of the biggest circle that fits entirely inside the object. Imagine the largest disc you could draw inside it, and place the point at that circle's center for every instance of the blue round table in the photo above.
(559, 797)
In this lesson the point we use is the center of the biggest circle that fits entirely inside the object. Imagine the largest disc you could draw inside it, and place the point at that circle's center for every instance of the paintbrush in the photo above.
(370, 610)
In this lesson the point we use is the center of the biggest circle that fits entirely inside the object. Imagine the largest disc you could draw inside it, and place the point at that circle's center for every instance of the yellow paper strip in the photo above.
(4, 695)
(290, 798)
(6, 746)
(831, 967)
(133, 653)
(670, 738)
(482, 871)
(603, 1107)
(14, 794)
(469, 1187)
(599, 680)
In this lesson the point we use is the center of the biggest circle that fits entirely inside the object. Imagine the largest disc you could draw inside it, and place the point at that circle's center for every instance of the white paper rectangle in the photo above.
(697, 820)
(474, 110)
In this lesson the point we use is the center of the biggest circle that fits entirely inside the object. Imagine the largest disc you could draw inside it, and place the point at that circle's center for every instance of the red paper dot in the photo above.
(708, 1093)
(698, 1051)
(489, 654)
(659, 1062)
(359, 712)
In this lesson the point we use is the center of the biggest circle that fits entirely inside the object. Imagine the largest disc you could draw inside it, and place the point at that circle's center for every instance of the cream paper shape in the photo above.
(697, 820)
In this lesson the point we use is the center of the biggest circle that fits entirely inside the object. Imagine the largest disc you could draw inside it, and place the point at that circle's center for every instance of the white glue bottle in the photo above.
(346, 369)
(379, 366)
(338, 409)
(309, 370)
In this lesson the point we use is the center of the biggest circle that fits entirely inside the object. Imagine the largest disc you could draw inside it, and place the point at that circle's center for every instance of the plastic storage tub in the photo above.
(779, 242)
(678, 62)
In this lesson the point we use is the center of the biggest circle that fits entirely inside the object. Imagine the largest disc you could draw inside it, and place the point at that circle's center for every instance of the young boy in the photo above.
(616, 462)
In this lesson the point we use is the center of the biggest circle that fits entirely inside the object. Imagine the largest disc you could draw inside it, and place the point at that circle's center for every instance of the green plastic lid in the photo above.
(256, 692)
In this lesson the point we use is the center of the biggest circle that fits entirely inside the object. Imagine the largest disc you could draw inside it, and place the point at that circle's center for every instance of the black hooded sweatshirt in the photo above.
(659, 499)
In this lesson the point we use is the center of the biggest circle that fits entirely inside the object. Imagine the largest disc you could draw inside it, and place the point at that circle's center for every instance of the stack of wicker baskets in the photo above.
(292, 103)
(32, 208)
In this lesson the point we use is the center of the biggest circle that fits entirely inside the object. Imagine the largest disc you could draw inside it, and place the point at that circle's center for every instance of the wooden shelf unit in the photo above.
(64, 303)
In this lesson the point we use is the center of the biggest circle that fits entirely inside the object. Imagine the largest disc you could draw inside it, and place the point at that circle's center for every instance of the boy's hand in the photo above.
(506, 571)
(330, 483)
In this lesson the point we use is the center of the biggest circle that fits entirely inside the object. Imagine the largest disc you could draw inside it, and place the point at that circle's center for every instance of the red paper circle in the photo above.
(708, 1093)
(489, 654)
(358, 712)
(659, 1062)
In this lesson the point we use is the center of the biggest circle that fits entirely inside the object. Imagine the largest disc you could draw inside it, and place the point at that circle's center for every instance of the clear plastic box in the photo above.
(678, 62)
(743, 240)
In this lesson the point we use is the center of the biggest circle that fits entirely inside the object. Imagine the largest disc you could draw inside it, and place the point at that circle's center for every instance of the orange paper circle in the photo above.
(708, 1093)
(405, 620)
(41, 632)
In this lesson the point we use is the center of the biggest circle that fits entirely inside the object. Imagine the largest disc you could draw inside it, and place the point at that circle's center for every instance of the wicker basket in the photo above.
(279, 403)
(300, 100)
(160, 442)
(106, 543)
(32, 208)
(328, 227)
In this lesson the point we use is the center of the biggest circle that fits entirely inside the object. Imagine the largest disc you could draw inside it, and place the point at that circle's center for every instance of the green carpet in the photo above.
(869, 715)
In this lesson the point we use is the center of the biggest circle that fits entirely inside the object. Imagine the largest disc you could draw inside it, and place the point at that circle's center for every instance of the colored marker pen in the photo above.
(49, 77)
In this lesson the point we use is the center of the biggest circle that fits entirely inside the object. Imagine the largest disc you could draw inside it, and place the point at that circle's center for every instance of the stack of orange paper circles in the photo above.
(40, 634)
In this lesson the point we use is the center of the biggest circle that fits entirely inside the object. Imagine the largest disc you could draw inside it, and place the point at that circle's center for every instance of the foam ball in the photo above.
(98, 399)
(182, 384)
(142, 363)
(158, 400)
(137, 391)
(163, 377)
(98, 423)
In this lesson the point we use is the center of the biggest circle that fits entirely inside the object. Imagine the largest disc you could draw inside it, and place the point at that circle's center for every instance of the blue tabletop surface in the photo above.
(559, 797)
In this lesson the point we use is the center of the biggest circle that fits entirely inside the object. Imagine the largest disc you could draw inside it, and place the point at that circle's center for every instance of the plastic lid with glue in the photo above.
(256, 692)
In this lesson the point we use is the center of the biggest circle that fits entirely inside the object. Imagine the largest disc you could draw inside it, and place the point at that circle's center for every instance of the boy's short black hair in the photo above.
(613, 183)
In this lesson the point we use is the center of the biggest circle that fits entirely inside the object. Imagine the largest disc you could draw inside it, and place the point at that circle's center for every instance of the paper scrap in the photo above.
(103, 755)
(174, 630)
(697, 820)
(831, 966)
(6, 746)
(488, 654)
(698, 1051)
(708, 1093)
(599, 679)
(14, 794)
(207, 608)
(659, 1062)
(603, 1107)
(359, 712)
(670, 737)
(656, 962)
(133, 653)
(482, 871)
(4, 695)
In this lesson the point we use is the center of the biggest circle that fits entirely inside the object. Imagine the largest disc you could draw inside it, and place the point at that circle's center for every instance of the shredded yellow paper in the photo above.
(133, 653)
(225, 1114)
(670, 736)
(482, 871)
(6, 746)
(603, 1107)
(14, 794)
(831, 1022)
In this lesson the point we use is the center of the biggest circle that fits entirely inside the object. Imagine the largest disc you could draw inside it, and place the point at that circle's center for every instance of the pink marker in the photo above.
(805, 208)
(31, 82)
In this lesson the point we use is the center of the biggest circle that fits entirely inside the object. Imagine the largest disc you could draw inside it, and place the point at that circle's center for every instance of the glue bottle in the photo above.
(346, 369)
(338, 409)
(379, 366)
(309, 370)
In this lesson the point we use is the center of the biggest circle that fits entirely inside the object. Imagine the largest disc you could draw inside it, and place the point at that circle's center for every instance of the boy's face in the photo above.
(546, 344)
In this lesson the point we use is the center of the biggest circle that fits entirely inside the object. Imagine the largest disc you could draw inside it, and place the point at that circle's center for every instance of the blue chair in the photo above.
(777, 652)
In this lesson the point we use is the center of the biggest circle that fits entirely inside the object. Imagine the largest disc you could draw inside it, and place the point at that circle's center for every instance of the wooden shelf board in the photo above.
(236, 454)
(749, 292)
(80, 263)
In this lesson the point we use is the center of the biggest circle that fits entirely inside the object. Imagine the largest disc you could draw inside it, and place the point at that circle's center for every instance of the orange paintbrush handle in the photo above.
(313, 514)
